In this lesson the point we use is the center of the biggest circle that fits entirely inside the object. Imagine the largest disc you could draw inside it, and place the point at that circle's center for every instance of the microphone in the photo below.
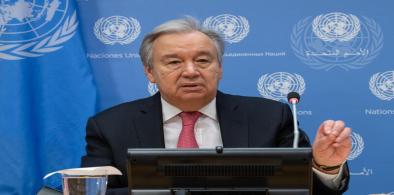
(294, 98)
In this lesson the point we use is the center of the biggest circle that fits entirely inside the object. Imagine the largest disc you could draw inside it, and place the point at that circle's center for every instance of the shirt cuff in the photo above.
(332, 181)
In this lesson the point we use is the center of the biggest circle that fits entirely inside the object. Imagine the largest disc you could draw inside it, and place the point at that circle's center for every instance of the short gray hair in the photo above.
(182, 25)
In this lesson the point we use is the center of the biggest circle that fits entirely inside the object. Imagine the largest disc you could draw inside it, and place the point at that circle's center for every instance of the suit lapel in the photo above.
(149, 123)
(233, 121)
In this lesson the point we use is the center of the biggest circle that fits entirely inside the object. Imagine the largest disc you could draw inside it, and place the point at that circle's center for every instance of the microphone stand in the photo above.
(294, 98)
(295, 124)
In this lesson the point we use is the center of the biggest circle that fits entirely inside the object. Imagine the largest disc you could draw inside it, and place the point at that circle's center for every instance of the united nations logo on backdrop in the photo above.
(152, 88)
(382, 85)
(233, 28)
(117, 29)
(335, 40)
(277, 85)
(357, 146)
(32, 28)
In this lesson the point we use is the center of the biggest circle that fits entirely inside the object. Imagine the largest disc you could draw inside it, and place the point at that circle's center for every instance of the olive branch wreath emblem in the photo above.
(44, 46)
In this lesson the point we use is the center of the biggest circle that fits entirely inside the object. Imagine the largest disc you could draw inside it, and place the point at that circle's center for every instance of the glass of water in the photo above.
(84, 185)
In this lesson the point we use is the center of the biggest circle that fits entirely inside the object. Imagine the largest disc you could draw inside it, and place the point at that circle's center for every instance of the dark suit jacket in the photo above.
(244, 122)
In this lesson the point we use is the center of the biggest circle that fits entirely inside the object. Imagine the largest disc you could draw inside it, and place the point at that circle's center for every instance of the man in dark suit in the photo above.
(184, 60)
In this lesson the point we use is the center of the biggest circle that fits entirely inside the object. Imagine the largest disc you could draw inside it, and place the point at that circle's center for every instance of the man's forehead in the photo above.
(170, 54)
(172, 45)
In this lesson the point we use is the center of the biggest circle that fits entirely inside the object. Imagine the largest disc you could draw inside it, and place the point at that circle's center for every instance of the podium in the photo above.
(273, 171)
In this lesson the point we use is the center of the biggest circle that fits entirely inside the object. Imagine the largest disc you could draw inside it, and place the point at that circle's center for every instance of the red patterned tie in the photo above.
(187, 138)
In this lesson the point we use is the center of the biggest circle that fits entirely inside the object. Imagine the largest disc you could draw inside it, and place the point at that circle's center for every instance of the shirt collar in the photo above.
(170, 111)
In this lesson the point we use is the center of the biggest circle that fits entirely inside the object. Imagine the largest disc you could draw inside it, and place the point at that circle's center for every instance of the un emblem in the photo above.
(276, 86)
(32, 28)
(232, 28)
(336, 40)
(152, 88)
(336, 27)
(382, 85)
(117, 29)
(357, 146)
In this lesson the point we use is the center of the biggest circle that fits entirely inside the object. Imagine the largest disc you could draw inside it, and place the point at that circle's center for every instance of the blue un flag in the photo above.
(46, 92)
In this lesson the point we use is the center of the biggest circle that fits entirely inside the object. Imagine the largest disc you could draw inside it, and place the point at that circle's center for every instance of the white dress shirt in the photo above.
(207, 132)
(206, 129)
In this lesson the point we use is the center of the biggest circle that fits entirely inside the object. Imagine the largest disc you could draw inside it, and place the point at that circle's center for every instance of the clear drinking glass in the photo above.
(84, 185)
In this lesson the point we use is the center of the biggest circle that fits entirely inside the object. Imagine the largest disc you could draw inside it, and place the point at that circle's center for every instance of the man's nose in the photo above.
(190, 69)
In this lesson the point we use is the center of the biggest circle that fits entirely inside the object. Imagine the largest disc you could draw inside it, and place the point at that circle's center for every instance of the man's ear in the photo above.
(149, 74)
(220, 71)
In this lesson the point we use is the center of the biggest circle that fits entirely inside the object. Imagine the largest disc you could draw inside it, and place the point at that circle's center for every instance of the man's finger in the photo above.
(337, 128)
(319, 132)
(327, 126)
(345, 134)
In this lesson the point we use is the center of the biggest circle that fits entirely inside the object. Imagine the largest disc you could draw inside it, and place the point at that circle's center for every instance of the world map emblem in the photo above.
(336, 40)
(382, 85)
(277, 85)
(232, 28)
(32, 28)
(117, 29)
(357, 146)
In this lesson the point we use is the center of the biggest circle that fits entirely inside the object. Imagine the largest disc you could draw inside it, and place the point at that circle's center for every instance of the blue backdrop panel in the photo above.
(337, 54)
